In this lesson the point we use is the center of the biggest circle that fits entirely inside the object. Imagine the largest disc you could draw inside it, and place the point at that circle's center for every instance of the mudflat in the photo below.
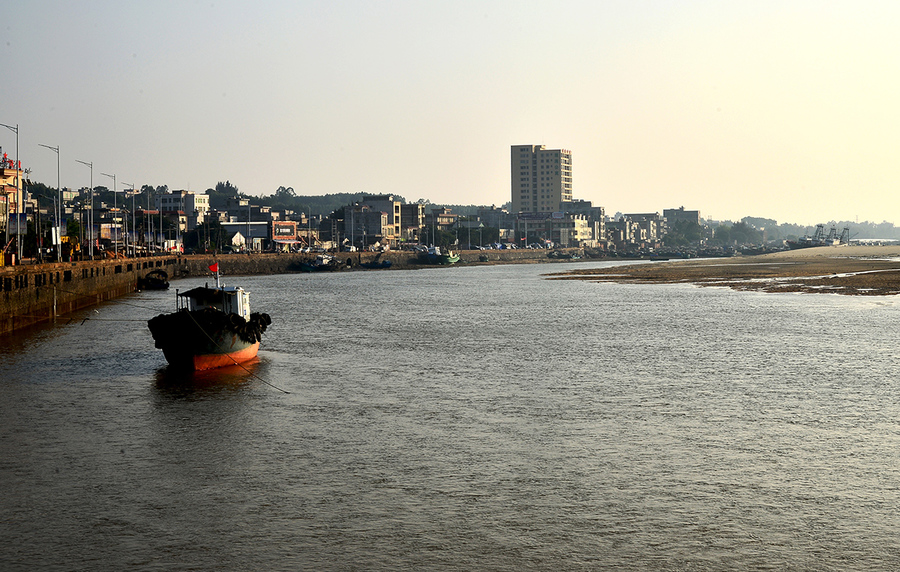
(853, 270)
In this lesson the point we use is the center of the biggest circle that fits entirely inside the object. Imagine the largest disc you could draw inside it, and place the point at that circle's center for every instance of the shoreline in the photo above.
(847, 270)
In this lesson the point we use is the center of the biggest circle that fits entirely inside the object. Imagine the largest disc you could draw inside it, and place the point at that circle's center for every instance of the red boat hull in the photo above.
(211, 361)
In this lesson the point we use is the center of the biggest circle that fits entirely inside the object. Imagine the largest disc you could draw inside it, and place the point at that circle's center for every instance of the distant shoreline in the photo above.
(849, 270)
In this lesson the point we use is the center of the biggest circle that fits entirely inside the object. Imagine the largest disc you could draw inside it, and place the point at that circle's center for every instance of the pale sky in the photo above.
(781, 109)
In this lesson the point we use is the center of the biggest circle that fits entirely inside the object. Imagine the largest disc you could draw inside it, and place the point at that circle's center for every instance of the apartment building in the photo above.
(679, 214)
(190, 208)
(391, 207)
(541, 178)
(654, 225)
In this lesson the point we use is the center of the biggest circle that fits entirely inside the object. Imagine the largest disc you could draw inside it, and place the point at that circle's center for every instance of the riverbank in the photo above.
(851, 270)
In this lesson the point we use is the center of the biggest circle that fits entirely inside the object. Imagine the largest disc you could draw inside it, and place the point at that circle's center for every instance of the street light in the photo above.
(133, 231)
(58, 206)
(20, 198)
(115, 208)
(91, 212)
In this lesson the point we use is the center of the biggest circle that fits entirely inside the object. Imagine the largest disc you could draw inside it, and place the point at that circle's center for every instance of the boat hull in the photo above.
(199, 362)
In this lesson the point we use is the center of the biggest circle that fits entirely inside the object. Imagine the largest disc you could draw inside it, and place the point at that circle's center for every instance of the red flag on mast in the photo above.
(214, 267)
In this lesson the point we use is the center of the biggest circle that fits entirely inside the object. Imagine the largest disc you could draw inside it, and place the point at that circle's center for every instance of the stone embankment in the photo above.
(34, 293)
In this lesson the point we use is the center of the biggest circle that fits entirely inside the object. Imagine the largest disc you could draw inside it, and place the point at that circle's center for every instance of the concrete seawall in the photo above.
(30, 294)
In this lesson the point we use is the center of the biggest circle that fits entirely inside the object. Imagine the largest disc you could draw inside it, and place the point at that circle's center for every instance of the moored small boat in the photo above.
(211, 328)
(434, 255)
(154, 280)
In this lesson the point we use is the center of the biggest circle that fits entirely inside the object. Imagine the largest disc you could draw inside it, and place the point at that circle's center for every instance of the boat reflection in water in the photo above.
(233, 377)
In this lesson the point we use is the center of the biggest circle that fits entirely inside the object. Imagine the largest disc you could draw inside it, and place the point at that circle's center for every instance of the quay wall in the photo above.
(34, 293)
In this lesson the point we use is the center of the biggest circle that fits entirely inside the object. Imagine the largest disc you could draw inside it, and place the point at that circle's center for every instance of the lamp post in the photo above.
(115, 208)
(133, 232)
(91, 211)
(58, 205)
(20, 198)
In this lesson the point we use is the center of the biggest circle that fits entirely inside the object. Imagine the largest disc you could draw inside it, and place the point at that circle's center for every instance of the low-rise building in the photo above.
(11, 199)
(188, 208)
(679, 214)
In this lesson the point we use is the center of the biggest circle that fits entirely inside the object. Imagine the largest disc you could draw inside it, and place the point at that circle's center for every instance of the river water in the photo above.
(471, 418)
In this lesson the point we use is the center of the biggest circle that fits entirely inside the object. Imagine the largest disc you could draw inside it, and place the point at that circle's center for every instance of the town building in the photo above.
(679, 214)
(653, 225)
(364, 226)
(238, 209)
(189, 208)
(12, 215)
(412, 220)
(495, 217)
(390, 206)
(441, 219)
(597, 216)
(566, 230)
(541, 179)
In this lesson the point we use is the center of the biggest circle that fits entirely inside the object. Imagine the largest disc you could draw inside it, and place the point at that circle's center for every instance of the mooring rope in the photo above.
(272, 385)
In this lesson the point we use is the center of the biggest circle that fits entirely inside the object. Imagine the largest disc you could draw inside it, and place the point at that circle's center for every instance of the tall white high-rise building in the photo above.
(541, 178)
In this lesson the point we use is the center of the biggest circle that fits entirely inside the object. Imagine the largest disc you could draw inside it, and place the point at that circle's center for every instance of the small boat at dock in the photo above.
(154, 280)
(434, 255)
(211, 327)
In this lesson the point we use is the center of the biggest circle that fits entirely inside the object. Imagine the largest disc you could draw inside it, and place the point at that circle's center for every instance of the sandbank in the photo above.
(852, 270)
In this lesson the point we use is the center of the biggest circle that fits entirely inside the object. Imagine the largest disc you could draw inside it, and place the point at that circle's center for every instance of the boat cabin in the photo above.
(228, 299)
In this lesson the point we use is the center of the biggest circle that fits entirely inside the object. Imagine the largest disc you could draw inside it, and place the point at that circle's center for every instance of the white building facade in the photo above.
(192, 208)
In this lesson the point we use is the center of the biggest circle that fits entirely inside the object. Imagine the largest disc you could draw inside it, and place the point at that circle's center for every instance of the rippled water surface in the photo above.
(477, 418)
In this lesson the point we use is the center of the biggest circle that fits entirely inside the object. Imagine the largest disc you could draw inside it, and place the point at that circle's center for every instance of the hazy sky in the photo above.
(783, 109)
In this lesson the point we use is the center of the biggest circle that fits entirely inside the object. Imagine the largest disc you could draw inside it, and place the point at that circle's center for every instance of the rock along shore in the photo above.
(854, 270)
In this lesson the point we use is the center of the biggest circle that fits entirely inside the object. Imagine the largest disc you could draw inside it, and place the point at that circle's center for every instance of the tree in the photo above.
(73, 228)
(221, 193)
(285, 193)
(683, 233)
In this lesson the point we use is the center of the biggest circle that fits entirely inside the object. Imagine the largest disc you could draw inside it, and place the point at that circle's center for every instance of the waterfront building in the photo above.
(238, 209)
(596, 215)
(679, 214)
(11, 200)
(254, 233)
(541, 179)
(567, 230)
(441, 219)
(653, 225)
(495, 217)
(412, 220)
(364, 226)
(390, 206)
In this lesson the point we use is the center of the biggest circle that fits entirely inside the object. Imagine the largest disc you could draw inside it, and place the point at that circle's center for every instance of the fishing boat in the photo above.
(820, 238)
(322, 263)
(211, 327)
(154, 280)
(434, 255)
